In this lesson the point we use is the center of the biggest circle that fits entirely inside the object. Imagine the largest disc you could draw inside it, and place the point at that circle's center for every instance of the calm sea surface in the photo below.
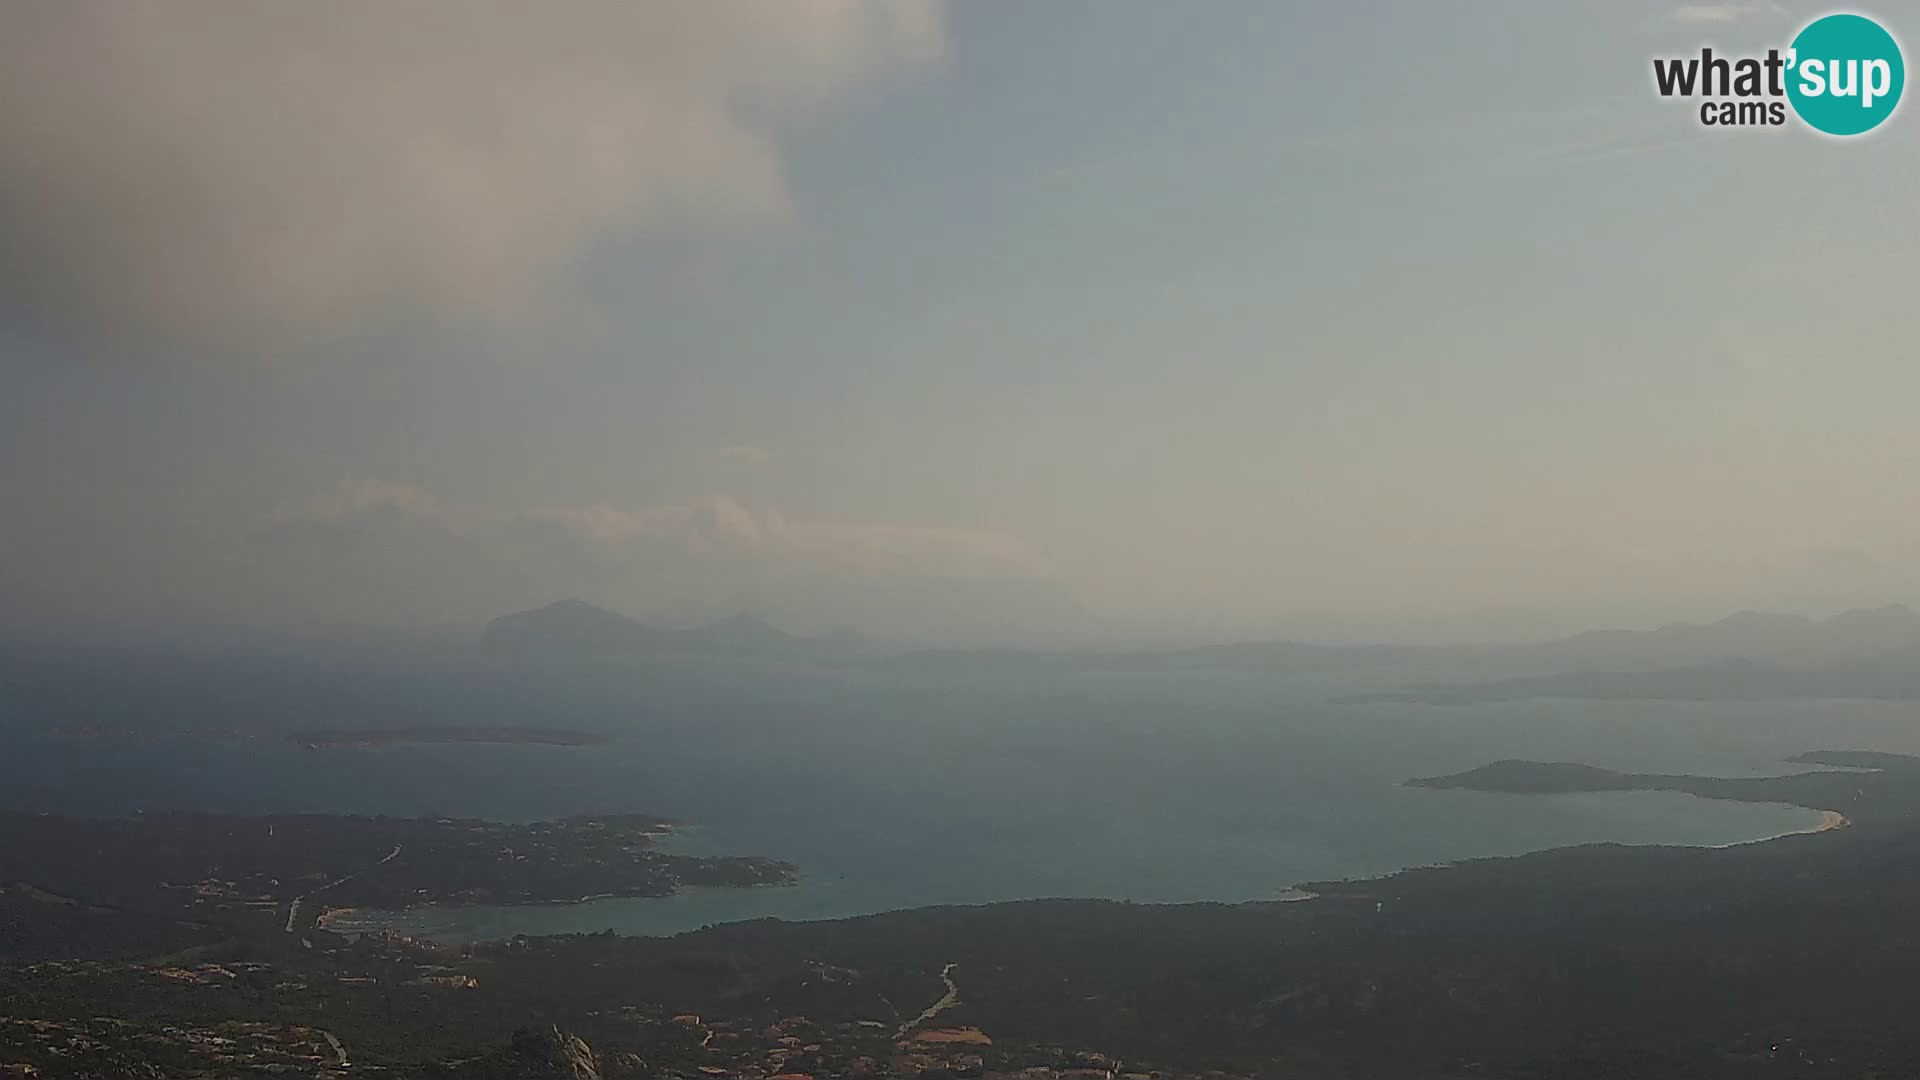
(891, 798)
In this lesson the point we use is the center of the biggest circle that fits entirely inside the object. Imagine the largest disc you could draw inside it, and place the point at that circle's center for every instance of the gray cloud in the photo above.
(223, 176)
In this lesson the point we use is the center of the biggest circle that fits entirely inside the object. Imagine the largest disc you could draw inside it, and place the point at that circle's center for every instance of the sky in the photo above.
(1062, 321)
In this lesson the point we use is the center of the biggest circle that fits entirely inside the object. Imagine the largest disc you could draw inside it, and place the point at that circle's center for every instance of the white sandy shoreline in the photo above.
(407, 921)
(1829, 821)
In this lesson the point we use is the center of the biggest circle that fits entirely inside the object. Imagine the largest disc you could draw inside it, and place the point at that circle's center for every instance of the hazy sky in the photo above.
(1196, 319)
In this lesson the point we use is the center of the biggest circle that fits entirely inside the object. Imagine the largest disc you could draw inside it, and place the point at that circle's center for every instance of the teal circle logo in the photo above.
(1845, 75)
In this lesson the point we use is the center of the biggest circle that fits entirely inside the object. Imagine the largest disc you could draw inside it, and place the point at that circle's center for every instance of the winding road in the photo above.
(293, 907)
(339, 1051)
(947, 1001)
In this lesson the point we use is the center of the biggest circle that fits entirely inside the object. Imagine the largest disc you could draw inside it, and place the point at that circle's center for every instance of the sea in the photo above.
(890, 794)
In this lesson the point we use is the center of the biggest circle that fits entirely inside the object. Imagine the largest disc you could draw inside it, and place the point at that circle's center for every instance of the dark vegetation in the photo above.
(1788, 958)
(91, 887)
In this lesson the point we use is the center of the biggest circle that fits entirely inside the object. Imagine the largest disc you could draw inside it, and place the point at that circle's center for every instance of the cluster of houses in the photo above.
(101, 1046)
(797, 1048)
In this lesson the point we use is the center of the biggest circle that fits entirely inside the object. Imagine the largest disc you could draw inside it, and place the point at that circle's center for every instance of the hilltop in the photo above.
(577, 628)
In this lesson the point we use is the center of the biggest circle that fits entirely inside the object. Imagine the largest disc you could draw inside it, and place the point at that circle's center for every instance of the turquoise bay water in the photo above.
(1159, 865)
(891, 798)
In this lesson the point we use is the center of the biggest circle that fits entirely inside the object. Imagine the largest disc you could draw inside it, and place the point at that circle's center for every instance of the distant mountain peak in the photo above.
(571, 603)
(570, 624)
(573, 626)
(1757, 620)
(1886, 614)
(570, 608)
(1765, 636)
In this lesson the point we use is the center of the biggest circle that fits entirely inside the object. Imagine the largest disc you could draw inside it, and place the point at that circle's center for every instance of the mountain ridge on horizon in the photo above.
(576, 625)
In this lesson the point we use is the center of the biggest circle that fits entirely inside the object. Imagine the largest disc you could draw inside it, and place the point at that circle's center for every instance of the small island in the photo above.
(367, 738)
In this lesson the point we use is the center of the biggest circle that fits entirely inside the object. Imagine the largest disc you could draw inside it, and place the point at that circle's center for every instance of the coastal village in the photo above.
(653, 1042)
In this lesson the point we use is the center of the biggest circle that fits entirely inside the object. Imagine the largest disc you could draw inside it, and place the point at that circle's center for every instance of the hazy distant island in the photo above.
(1865, 654)
(360, 738)
(575, 628)
(1869, 653)
(127, 733)
(1894, 677)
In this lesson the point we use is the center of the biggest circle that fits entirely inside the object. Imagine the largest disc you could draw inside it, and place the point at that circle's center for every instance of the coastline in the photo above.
(327, 917)
(691, 909)
(1830, 821)
(459, 924)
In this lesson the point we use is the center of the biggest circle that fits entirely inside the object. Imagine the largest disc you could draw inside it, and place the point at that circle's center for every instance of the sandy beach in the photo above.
(1829, 821)
(326, 918)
